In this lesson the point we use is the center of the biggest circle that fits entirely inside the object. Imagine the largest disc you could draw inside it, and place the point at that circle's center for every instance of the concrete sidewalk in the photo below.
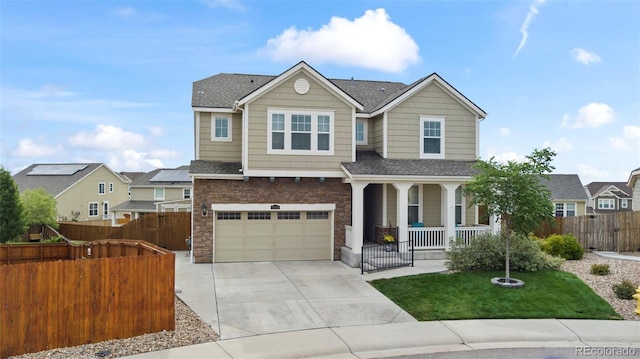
(296, 310)
(378, 341)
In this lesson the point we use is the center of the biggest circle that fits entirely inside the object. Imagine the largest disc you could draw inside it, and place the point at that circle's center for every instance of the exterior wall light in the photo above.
(321, 179)
(272, 179)
(204, 210)
(297, 179)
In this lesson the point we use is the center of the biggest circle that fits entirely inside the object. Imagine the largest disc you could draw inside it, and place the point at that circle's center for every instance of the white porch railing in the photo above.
(427, 237)
(433, 237)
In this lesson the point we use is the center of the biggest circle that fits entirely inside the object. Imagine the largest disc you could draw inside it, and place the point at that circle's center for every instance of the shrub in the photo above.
(624, 290)
(487, 252)
(564, 246)
(600, 269)
(55, 239)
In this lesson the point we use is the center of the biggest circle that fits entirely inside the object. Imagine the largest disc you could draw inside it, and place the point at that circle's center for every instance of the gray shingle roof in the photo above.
(53, 184)
(369, 163)
(215, 167)
(135, 206)
(595, 188)
(222, 90)
(565, 186)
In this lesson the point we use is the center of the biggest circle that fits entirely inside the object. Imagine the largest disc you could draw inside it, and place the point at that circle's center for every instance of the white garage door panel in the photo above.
(272, 239)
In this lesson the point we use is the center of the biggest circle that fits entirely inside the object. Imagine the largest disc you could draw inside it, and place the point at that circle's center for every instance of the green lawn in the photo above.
(470, 295)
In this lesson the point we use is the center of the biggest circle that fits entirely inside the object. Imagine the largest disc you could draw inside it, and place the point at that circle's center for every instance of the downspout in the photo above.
(245, 133)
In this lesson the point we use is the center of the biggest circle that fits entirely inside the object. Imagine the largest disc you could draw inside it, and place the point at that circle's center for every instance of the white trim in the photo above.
(97, 209)
(105, 216)
(213, 109)
(365, 130)
(197, 136)
(245, 137)
(477, 137)
(164, 194)
(294, 71)
(624, 203)
(266, 207)
(104, 188)
(414, 179)
(111, 187)
(313, 134)
(611, 201)
(385, 214)
(440, 120)
(293, 173)
(353, 138)
(195, 176)
(384, 135)
(213, 129)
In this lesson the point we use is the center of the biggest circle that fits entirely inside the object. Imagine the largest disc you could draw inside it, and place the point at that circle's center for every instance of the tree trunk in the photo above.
(507, 223)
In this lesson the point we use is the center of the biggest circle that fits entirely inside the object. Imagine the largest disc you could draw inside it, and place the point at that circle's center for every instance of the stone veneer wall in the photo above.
(260, 190)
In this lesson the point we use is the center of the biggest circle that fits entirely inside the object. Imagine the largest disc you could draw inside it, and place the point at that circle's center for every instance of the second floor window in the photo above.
(361, 133)
(221, 129)
(158, 193)
(101, 188)
(110, 187)
(432, 137)
(606, 203)
(186, 193)
(624, 203)
(300, 132)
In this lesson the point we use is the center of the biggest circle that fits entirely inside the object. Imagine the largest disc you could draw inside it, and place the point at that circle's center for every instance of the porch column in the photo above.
(402, 210)
(357, 215)
(449, 212)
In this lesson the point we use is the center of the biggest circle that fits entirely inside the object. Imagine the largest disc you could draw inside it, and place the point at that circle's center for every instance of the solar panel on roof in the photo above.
(56, 170)
(171, 176)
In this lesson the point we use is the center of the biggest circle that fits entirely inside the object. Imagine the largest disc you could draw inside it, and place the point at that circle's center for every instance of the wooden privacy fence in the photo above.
(618, 232)
(167, 230)
(127, 290)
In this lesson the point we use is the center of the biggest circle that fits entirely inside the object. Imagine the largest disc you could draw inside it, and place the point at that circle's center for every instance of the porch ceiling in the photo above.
(369, 163)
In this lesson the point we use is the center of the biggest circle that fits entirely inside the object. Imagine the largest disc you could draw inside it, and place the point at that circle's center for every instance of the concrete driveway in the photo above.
(246, 299)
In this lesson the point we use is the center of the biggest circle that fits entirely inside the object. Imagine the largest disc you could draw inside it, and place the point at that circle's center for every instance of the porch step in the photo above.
(382, 262)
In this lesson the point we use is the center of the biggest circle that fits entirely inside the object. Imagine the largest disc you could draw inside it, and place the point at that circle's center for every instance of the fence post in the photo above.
(362, 260)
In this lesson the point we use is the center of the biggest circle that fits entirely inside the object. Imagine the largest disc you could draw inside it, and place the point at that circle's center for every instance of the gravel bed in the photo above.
(602, 285)
(189, 330)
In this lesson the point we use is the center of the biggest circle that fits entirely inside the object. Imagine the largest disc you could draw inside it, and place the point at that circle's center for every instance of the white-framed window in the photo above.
(414, 204)
(101, 187)
(361, 132)
(111, 187)
(221, 129)
(105, 210)
(565, 209)
(158, 193)
(300, 132)
(624, 203)
(606, 203)
(186, 193)
(93, 209)
(431, 137)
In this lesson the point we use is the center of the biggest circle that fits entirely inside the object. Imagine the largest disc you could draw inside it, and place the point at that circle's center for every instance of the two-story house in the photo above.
(608, 197)
(298, 166)
(83, 191)
(160, 190)
(567, 194)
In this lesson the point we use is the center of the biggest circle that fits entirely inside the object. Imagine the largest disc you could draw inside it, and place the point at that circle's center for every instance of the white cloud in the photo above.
(28, 148)
(124, 11)
(505, 131)
(165, 153)
(156, 130)
(591, 174)
(584, 57)
(562, 144)
(131, 160)
(618, 143)
(632, 132)
(592, 115)
(107, 137)
(524, 28)
(371, 41)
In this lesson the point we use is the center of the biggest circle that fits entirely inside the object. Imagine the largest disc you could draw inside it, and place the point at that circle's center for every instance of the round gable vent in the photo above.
(301, 86)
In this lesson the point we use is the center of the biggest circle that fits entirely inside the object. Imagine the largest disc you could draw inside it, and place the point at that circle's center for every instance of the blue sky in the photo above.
(110, 81)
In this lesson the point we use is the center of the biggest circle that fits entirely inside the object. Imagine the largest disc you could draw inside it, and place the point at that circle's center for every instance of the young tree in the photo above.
(12, 219)
(513, 192)
(40, 207)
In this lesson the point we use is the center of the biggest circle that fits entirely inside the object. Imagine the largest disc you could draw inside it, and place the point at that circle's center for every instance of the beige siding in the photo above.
(392, 204)
(77, 198)
(377, 127)
(431, 199)
(581, 209)
(285, 97)
(404, 125)
(220, 150)
(147, 193)
(470, 212)
(635, 202)
(370, 142)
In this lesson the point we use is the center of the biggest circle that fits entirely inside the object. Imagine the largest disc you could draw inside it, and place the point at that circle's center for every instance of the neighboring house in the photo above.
(298, 166)
(634, 185)
(567, 194)
(608, 197)
(83, 191)
(161, 190)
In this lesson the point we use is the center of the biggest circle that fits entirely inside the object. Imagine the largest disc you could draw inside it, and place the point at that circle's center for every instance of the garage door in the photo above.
(272, 235)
